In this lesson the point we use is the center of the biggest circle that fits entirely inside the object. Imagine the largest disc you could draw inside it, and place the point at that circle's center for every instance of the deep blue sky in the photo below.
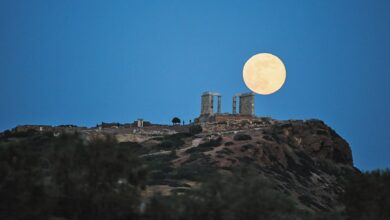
(84, 62)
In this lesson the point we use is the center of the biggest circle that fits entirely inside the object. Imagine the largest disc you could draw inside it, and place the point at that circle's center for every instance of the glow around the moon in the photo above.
(264, 73)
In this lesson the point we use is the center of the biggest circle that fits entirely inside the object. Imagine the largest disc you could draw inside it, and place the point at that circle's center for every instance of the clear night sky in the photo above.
(84, 62)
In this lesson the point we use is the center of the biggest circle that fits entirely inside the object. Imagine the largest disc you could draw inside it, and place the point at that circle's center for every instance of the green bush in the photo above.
(245, 147)
(133, 147)
(242, 137)
(7, 133)
(197, 168)
(226, 151)
(367, 196)
(167, 145)
(176, 120)
(229, 143)
(170, 142)
(195, 129)
(64, 177)
(243, 195)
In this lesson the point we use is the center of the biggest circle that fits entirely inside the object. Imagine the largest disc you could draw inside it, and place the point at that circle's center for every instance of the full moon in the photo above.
(264, 73)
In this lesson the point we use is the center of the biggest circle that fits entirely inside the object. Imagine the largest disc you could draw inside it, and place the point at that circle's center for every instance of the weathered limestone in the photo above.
(219, 104)
(234, 105)
(207, 107)
(247, 104)
(207, 104)
(246, 108)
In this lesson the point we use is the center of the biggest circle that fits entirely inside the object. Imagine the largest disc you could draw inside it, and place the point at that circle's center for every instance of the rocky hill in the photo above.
(303, 159)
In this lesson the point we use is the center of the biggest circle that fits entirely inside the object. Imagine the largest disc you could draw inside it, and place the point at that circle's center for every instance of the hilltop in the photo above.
(304, 159)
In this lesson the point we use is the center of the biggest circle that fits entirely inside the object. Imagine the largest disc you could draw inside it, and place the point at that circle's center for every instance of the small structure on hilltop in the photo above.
(246, 108)
(110, 125)
(35, 128)
(140, 123)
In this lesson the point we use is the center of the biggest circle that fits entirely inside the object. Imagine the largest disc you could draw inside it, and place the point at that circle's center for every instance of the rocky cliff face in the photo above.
(305, 159)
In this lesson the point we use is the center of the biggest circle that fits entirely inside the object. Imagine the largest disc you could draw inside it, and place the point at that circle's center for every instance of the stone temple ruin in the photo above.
(246, 108)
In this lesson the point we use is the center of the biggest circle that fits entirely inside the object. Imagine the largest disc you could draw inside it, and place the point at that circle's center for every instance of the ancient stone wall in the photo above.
(25, 128)
(241, 123)
(229, 117)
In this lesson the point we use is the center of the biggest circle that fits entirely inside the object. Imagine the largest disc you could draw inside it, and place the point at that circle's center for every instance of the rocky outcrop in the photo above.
(305, 159)
(313, 137)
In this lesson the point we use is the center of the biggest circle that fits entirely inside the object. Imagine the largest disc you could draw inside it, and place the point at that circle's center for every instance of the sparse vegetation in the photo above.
(229, 143)
(206, 146)
(134, 147)
(329, 167)
(166, 145)
(226, 151)
(268, 138)
(159, 167)
(243, 195)
(242, 137)
(196, 156)
(367, 196)
(197, 168)
(66, 177)
(7, 133)
(245, 147)
(195, 129)
(170, 142)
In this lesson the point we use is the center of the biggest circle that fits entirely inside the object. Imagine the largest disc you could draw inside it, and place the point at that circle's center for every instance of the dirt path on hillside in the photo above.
(179, 152)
